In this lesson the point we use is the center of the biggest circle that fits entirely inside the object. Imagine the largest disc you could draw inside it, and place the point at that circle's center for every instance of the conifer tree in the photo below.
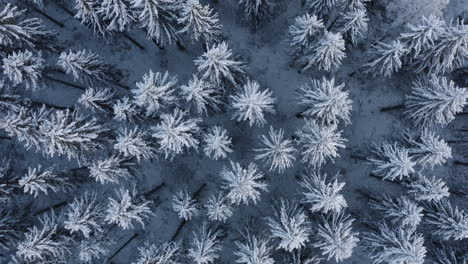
(39, 180)
(157, 90)
(135, 143)
(354, 24)
(335, 237)
(276, 152)
(184, 205)
(217, 143)
(395, 245)
(399, 210)
(176, 132)
(117, 14)
(201, 94)
(88, 66)
(218, 207)
(290, 226)
(326, 101)
(427, 148)
(256, 11)
(205, 245)
(319, 143)
(127, 208)
(423, 188)
(217, 64)
(255, 250)
(16, 31)
(88, 14)
(98, 99)
(327, 53)
(111, 169)
(304, 32)
(243, 184)
(435, 101)
(24, 67)
(167, 253)
(159, 18)
(84, 215)
(388, 58)
(321, 194)
(392, 161)
(250, 103)
(321, 7)
(199, 22)
(447, 221)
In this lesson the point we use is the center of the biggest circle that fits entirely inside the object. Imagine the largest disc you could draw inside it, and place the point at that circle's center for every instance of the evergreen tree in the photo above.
(184, 205)
(201, 94)
(447, 221)
(167, 253)
(427, 149)
(400, 211)
(159, 18)
(354, 24)
(125, 110)
(326, 101)
(392, 162)
(395, 245)
(428, 189)
(255, 250)
(348, 5)
(435, 101)
(10, 102)
(304, 32)
(290, 226)
(127, 208)
(117, 14)
(205, 245)
(39, 180)
(276, 152)
(327, 53)
(322, 7)
(199, 22)
(388, 58)
(92, 249)
(84, 215)
(217, 64)
(256, 11)
(135, 143)
(217, 144)
(42, 242)
(88, 14)
(10, 228)
(422, 36)
(218, 207)
(319, 143)
(250, 103)
(321, 194)
(110, 170)
(85, 65)
(447, 53)
(176, 132)
(242, 184)
(69, 133)
(25, 125)
(335, 237)
(155, 92)
(23, 67)
(98, 99)
(16, 31)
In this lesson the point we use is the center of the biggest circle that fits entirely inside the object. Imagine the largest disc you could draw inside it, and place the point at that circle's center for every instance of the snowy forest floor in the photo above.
(268, 58)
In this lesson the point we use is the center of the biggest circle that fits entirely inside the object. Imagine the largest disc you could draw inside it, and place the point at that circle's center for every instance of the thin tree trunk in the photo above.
(182, 224)
(64, 82)
(37, 10)
(64, 8)
(157, 188)
(461, 113)
(122, 247)
(141, 47)
(299, 115)
(358, 157)
(39, 104)
(457, 162)
(55, 206)
(391, 108)
(5, 137)
(180, 46)
(456, 141)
